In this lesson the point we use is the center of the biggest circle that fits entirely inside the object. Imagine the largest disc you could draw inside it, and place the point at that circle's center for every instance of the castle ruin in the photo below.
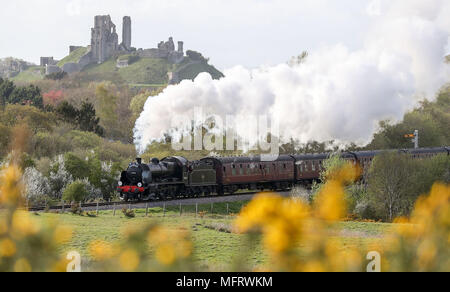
(105, 44)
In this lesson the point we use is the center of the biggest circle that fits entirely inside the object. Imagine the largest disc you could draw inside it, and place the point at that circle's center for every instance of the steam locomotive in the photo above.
(175, 176)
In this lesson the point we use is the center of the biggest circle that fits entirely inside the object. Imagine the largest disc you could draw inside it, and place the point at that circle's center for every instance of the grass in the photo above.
(215, 248)
(31, 74)
(144, 71)
(147, 72)
(73, 57)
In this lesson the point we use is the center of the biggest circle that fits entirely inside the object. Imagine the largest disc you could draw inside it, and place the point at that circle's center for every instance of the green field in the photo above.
(216, 248)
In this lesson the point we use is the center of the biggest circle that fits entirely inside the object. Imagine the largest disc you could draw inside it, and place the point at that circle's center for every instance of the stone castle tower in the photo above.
(104, 40)
(126, 33)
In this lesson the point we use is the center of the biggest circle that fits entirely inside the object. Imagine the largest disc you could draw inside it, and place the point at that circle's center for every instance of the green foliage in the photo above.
(84, 118)
(5, 136)
(67, 112)
(57, 75)
(432, 119)
(190, 72)
(395, 182)
(75, 192)
(87, 119)
(107, 110)
(73, 57)
(78, 168)
(36, 119)
(137, 104)
(9, 93)
(195, 56)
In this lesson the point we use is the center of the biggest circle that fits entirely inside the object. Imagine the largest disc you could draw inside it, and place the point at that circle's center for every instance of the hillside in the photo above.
(73, 57)
(148, 72)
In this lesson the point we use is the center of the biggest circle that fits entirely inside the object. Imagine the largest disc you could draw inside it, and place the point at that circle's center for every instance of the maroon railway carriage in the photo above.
(250, 173)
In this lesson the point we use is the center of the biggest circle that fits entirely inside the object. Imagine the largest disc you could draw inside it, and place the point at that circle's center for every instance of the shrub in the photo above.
(129, 213)
(75, 192)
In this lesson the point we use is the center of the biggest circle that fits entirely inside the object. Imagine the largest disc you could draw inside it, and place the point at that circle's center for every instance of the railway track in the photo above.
(168, 202)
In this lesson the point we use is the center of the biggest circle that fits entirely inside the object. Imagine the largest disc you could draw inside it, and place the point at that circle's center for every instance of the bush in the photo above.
(396, 181)
(75, 192)
(128, 213)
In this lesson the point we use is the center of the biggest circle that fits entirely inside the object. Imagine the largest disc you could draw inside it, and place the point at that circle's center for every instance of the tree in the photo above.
(88, 120)
(77, 167)
(107, 110)
(56, 75)
(75, 192)
(390, 184)
(30, 95)
(67, 112)
(84, 118)
(6, 88)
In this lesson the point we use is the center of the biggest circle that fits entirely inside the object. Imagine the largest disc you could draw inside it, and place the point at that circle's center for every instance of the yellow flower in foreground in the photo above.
(7, 248)
(330, 203)
(22, 266)
(101, 250)
(129, 260)
(11, 186)
(62, 234)
(3, 227)
(23, 225)
(165, 254)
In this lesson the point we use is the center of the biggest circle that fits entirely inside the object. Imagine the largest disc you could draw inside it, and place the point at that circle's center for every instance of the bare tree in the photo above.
(390, 184)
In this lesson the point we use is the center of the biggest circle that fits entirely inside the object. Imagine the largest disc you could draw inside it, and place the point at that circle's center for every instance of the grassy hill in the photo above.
(148, 72)
(29, 75)
(73, 57)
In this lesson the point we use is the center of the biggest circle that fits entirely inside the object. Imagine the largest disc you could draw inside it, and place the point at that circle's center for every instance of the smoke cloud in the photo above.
(336, 94)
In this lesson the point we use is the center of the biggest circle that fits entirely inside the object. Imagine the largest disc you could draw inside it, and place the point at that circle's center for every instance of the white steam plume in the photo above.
(337, 93)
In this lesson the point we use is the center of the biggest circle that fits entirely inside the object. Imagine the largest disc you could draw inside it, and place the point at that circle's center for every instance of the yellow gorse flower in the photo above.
(129, 260)
(11, 186)
(101, 250)
(170, 245)
(7, 248)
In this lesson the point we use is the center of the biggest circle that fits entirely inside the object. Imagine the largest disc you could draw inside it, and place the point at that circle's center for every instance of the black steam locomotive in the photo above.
(175, 176)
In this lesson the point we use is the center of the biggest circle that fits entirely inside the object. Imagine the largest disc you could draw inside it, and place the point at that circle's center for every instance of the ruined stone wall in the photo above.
(104, 39)
(126, 33)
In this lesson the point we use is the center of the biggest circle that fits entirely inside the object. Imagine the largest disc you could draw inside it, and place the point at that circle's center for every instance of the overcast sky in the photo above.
(229, 32)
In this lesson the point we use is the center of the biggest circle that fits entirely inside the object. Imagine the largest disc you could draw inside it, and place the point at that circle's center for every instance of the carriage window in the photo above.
(284, 166)
(313, 166)
(224, 169)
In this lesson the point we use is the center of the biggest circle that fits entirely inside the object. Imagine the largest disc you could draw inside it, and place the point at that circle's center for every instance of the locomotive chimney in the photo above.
(139, 160)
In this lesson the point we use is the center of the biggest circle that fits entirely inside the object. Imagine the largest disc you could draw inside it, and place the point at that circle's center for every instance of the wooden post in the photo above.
(212, 208)
(129, 206)
(114, 209)
(146, 210)
(181, 210)
(196, 210)
(228, 209)
(97, 208)
(164, 210)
